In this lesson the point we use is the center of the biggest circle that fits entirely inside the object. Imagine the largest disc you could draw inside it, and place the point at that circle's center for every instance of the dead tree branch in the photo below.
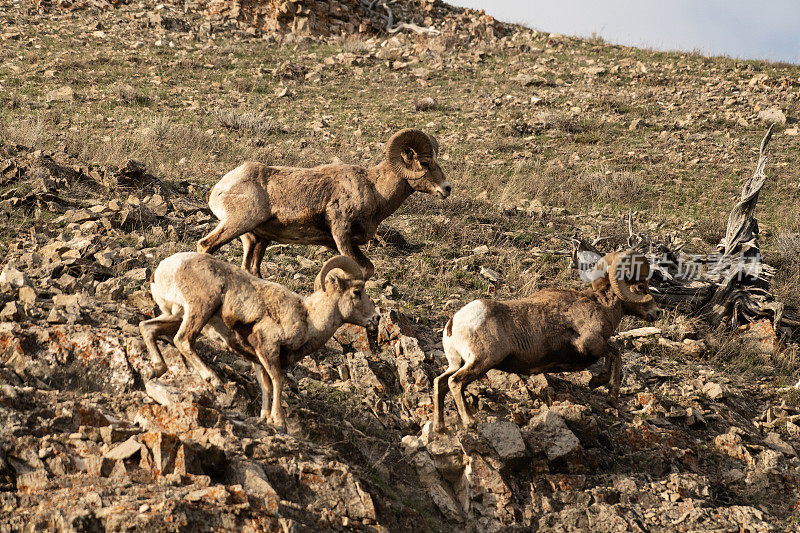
(389, 19)
(732, 285)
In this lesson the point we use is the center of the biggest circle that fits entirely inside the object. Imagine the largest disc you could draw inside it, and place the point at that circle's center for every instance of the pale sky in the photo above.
(749, 29)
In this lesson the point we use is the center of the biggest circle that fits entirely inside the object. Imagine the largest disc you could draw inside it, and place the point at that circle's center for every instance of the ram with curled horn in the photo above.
(264, 322)
(337, 205)
(551, 331)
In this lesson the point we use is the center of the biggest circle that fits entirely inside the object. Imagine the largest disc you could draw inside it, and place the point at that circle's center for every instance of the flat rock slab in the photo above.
(125, 450)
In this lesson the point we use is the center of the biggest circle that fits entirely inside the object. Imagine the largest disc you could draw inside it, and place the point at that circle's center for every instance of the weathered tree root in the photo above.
(731, 285)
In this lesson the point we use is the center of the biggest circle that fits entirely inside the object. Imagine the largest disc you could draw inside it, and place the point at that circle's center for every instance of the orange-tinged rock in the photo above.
(760, 337)
(731, 444)
(163, 451)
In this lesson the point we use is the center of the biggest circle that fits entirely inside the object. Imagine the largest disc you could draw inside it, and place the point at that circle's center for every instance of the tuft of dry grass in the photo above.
(253, 123)
(29, 131)
(787, 247)
(726, 349)
(610, 186)
(786, 284)
(568, 122)
(711, 228)
(354, 44)
(127, 94)
(553, 183)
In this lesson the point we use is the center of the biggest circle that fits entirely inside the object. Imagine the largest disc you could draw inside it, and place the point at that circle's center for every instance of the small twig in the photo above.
(391, 16)
(414, 28)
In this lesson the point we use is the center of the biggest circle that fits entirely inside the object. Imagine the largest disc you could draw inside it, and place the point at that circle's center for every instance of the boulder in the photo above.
(549, 429)
(14, 277)
(506, 439)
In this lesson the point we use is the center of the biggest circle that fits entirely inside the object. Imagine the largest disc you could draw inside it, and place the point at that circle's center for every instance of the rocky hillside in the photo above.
(116, 119)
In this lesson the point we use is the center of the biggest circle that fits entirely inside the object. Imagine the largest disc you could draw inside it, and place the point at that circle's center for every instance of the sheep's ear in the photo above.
(409, 157)
(334, 281)
(600, 282)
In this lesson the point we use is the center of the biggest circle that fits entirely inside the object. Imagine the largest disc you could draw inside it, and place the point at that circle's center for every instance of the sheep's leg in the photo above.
(234, 343)
(346, 247)
(454, 361)
(612, 371)
(164, 324)
(616, 375)
(258, 256)
(193, 322)
(268, 352)
(476, 366)
(225, 232)
(266, 390)
(362, 260)
(231, 340)
(274, 372)
(249, 241)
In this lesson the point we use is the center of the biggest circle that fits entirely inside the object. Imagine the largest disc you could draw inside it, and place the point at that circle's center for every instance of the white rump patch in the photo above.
(465, 322)
(165, 291)
(469, 318)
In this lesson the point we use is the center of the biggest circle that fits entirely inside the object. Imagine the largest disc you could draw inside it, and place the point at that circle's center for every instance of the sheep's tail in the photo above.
(448, 328)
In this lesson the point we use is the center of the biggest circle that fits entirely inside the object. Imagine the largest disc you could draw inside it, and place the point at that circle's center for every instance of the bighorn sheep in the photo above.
(552, 331)
(268, 324)
(334, 205)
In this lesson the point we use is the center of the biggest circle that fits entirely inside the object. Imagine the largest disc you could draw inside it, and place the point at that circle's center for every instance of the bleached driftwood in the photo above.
(730, 285)
(389, 19)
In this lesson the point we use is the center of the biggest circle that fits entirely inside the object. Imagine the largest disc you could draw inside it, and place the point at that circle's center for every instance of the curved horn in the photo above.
(347, 264)
(618, 277)
(417, 141)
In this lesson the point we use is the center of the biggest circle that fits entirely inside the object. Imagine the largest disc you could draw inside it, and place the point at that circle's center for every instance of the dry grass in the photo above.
(711, 228)
(129, 95)
(28, 131)
(553, 183)
(251, 123)
(786, 284)
(608, 186)
(727, 350)
(353, 44)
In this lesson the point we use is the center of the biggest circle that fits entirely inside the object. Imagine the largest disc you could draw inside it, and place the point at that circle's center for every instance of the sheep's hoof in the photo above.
(279, 427)
(439, 428)
(157, 370)
(214, 380)
(469, 424)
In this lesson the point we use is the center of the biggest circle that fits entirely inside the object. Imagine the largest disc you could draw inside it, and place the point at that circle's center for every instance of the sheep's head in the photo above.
(627, 274)
(342, 278)
(412, 155)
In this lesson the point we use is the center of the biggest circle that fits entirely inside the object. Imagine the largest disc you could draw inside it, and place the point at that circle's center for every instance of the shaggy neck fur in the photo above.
(391, 189)
(323, 320)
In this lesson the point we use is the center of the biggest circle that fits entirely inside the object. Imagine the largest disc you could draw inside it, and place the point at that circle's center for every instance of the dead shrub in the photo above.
(252, 123)
(614, 186)
(127, 94)
(354, 44)
(711, 229)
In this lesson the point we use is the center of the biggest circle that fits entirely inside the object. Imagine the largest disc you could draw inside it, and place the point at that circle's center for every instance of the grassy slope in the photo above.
(681, 167)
